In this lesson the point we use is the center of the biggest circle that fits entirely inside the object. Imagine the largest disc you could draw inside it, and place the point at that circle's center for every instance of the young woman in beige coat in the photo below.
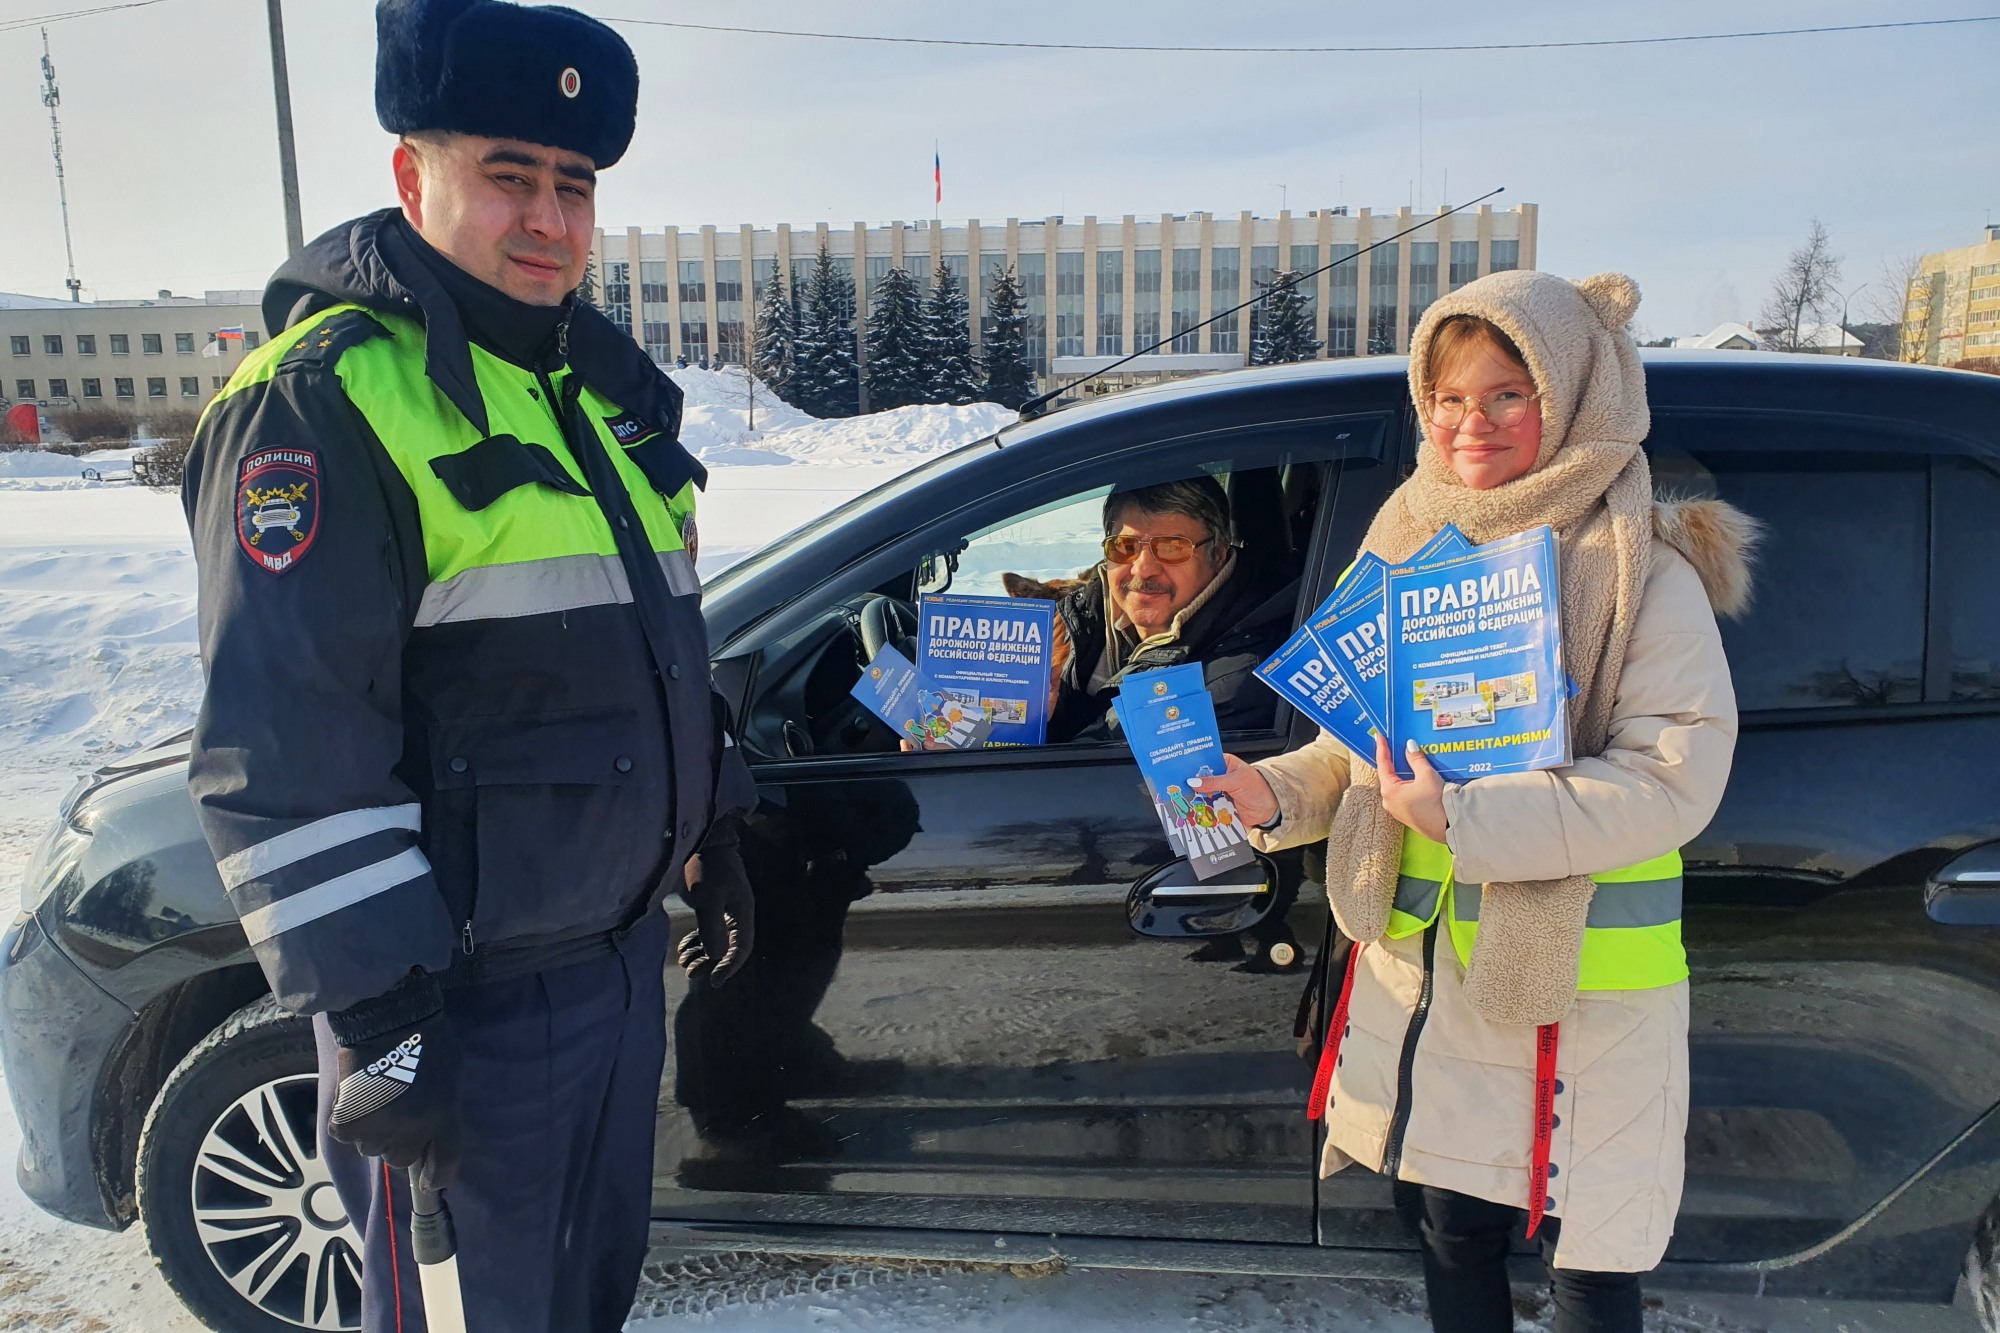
(1536, 406)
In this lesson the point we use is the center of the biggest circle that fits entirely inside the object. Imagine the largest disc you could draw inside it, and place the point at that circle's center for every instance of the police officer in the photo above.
(459, 738)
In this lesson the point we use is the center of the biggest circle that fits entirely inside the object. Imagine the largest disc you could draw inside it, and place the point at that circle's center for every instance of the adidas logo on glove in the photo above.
(401, 1061)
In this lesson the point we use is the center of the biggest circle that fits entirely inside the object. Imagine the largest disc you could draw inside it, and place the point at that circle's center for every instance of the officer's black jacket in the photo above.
(384, 799)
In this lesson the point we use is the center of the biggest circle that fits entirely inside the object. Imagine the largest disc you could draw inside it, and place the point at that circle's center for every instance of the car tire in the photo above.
(237, 1207)
(1982, 1270)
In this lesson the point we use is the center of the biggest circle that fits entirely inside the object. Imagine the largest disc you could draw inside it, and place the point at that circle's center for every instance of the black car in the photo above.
(987, 1018)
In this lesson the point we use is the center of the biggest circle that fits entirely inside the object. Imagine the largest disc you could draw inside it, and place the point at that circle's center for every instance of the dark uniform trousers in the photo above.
(559, 1096)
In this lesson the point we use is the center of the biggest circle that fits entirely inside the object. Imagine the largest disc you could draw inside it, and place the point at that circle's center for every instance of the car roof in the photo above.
(1961, 401)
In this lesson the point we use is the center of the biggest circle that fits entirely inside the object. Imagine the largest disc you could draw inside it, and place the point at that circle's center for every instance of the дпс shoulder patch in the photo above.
(278, 507)
(322, 340)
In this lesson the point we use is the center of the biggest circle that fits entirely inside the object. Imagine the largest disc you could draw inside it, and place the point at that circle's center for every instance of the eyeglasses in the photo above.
(1501, 410)
(1124, 549)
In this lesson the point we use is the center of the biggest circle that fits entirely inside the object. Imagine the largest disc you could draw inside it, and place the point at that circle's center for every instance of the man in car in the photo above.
(459, 739)
(1171, 589)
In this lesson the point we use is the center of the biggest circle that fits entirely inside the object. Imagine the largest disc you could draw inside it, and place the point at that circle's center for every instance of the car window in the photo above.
(1968, 575)
(1048, 546)
(1049, 543)
(1840, 579)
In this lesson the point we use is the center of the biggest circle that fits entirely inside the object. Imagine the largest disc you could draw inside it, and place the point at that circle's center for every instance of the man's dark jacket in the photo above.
(461, 798)
(1230, 635)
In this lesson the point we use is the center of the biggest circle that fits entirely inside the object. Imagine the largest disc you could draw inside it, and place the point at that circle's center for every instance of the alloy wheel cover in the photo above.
(266, 1214)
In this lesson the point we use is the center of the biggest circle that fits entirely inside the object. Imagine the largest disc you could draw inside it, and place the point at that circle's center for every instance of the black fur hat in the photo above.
(545, 74)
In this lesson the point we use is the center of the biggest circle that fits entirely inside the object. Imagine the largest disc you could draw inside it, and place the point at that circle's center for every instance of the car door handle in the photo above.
(1966, 890)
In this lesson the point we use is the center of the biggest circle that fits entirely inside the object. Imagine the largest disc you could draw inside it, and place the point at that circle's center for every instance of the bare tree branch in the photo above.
(1801, 293)
(1890, 293)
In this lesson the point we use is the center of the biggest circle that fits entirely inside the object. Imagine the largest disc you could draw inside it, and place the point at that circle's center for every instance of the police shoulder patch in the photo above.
(279, 503)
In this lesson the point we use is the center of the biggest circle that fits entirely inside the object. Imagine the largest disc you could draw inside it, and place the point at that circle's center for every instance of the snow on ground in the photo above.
(719, 408)
(98, 655)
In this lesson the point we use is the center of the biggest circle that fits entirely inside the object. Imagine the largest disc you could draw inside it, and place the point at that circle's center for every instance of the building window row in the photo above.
(1160, 296)
(1225, 281)
(150, 344)
(1110, 303)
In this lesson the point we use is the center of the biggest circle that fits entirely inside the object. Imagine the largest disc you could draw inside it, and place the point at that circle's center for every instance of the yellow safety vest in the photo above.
(1631, 939)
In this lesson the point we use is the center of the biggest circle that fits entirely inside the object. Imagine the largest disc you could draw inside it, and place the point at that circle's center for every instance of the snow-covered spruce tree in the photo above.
(586, 291)
(895, 372)
(1010, 380)
(954, 373)
(773, 336)
(1287, 333)
(825, 379)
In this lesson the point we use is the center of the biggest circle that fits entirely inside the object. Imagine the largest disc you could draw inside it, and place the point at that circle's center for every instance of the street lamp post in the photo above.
(1840, 346)
(288, 158)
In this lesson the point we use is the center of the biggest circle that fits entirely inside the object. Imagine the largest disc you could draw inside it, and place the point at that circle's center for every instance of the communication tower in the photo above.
(52, 98)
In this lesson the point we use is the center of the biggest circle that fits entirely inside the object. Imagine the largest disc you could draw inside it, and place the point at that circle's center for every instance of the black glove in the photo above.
(399, 1070)
(725, 915)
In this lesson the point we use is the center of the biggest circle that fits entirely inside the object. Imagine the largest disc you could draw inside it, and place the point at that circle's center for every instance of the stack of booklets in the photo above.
(1458, 648)
(1169, 720)
(981, 678)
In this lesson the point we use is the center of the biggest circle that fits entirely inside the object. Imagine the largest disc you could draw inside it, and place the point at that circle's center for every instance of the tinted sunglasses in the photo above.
(1123, 550)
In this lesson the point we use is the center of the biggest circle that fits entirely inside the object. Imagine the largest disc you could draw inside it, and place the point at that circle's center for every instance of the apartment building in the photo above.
(1952, 312)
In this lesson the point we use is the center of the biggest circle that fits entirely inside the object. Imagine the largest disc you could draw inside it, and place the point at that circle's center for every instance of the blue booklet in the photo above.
(1331, 667)
(915, 709)
(1474, 658)
(992, 654)
(1169, 719)
(1354, 640)
(1303, 677)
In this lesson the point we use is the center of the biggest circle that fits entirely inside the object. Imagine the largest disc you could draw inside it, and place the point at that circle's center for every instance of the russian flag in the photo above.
(937, 174)
(234, 331)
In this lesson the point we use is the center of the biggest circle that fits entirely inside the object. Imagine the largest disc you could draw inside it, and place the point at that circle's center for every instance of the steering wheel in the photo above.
(886, 622)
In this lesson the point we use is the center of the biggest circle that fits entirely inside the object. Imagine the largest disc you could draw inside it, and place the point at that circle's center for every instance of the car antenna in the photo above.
(1039, 404)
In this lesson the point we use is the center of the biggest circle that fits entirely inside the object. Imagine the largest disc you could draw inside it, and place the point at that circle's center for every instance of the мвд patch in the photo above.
(278, 507)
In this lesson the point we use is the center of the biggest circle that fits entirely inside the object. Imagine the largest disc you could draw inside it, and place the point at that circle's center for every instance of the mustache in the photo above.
(1147, 585)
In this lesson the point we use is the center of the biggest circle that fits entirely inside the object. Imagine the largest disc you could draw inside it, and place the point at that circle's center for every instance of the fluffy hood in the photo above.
(1578, 348)
(1719, 540)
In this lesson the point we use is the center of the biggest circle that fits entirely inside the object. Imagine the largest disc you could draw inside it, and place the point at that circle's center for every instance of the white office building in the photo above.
(1096, 289)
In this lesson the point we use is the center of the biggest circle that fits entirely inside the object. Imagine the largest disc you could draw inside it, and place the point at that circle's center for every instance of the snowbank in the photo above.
(40, 463)
(717, 412)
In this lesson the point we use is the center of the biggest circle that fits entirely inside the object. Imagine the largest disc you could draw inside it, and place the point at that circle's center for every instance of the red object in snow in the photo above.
(22, 425)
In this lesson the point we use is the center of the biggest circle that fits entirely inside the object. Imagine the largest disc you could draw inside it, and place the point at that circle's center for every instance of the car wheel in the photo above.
(238, 1208)
(1982, 1270)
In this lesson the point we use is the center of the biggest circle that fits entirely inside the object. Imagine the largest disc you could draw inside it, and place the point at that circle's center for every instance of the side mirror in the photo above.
(1966, 890)
(1171, 904)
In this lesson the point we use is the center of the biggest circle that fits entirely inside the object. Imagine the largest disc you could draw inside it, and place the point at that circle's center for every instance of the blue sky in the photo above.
(1692, 167)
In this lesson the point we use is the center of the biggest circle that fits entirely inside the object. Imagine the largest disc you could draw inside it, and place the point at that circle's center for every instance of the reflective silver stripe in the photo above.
(1418, 897)
(1465, 900)
(682, 581)
(239, 868)
(1645, 902)
(526, 588)
(343, 891)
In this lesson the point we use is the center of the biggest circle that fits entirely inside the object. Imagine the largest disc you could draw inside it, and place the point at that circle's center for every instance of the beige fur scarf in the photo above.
(1591, 484)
